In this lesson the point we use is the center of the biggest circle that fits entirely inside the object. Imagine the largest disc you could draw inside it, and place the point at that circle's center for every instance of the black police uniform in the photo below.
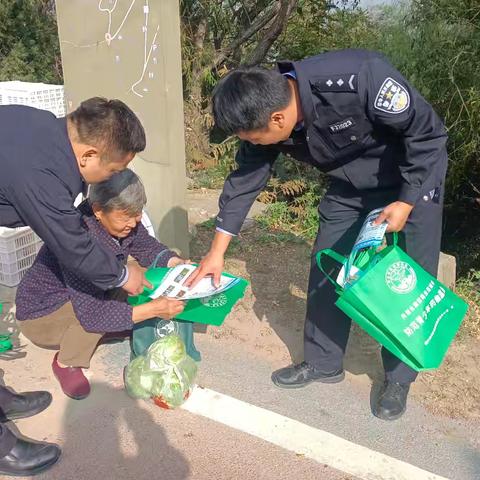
(379, 141)
(39, 181)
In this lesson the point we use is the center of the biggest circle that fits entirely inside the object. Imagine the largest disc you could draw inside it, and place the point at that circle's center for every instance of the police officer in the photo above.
(353, 116)
(45, 163)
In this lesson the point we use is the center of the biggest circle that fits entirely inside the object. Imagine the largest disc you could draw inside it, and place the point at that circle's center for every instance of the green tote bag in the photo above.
(400, 305)
(210, 310)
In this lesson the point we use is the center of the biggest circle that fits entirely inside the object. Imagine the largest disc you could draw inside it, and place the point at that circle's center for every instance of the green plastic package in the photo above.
(5, 341)
(164, 373)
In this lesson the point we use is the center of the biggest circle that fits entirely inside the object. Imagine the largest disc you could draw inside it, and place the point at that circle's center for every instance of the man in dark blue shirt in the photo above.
(45, 164)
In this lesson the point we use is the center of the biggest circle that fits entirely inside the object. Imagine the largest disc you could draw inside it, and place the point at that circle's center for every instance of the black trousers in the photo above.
(7, 438)
(342, 213)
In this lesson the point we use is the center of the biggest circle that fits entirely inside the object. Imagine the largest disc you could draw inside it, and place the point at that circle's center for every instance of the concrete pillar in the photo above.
(130, 49)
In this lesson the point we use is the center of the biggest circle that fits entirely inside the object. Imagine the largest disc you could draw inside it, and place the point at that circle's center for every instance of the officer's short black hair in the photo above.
(244, 100)
(109, 124)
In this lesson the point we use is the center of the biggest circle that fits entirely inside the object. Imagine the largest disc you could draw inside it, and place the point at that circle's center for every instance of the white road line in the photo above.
(297, 437)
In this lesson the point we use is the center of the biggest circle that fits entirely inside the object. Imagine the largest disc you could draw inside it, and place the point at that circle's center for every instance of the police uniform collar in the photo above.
(304, 89)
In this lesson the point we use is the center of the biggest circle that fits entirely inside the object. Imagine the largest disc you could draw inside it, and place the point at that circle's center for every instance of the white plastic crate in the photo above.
(38, 95)
(18, 249)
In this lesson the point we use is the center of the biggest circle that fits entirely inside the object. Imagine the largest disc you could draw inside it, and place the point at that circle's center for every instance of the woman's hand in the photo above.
(166, 308)
(163, 307)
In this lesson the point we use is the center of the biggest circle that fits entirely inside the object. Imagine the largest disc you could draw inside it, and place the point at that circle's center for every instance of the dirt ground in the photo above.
(269, 321)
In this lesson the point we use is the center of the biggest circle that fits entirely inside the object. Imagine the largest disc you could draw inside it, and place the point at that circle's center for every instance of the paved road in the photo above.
(109, 435)
(444, 446)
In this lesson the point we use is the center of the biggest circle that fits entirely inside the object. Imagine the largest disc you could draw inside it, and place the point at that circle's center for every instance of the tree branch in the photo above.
(273, 32)
(255, 27)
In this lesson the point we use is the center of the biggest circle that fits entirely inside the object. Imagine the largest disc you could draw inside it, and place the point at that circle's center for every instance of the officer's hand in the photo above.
(212, 264)
(396, 214)
(136, 280)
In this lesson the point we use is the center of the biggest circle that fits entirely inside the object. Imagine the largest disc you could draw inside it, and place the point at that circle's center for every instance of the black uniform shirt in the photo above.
(39, 181)
(364, 125)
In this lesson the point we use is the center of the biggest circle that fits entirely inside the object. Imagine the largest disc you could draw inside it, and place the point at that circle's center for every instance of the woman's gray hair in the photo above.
(122, 191)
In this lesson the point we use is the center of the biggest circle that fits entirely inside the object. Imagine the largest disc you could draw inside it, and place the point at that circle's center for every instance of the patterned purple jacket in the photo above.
(48, 285)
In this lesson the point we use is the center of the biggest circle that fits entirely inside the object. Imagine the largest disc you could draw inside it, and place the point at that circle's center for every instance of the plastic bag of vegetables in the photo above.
(164, 373)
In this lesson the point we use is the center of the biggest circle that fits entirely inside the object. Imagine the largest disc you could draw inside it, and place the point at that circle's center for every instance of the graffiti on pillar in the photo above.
(149, 44)
(115, 23)
(130, 50)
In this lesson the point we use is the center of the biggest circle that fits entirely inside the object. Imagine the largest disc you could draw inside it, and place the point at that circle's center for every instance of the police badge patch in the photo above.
(392, 97)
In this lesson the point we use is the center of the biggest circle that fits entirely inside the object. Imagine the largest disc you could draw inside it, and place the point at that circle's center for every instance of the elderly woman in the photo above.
(58, 309)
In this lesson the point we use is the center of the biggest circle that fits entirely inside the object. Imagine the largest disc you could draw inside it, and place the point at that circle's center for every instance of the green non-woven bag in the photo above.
(402, 306)
(210, 310)
(149, 331)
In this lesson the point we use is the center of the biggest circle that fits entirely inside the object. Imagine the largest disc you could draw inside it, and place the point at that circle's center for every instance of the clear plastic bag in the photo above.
(164, 373)
(132, 378)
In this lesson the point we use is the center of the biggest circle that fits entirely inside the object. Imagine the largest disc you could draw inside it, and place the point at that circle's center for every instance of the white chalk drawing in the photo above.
(149, 45)
(146, 56)
(108, 35)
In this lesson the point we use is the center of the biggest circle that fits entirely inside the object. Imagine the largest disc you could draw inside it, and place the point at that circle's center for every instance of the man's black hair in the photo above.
(110, 124)
(245, 99)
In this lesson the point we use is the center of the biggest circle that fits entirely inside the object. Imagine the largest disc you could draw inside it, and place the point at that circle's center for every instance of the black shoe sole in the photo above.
(20, 415)
(335, 379)
(33, 471)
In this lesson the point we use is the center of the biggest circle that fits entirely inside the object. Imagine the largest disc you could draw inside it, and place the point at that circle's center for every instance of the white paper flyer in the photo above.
(173, 285)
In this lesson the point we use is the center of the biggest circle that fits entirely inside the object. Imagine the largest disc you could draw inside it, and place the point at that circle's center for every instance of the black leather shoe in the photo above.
(25, 405)
(298, 376)
(28, 458)
(392, 401)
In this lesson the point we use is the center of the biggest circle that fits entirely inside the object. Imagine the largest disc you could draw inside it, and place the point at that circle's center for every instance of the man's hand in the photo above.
(212, 264)
(136, 280)
(396, 215)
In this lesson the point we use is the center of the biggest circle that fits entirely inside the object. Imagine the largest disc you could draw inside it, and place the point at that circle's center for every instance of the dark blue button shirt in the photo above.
(39, 181)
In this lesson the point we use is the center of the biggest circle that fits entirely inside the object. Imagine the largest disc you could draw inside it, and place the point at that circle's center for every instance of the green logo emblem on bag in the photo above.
(400, 278)
(215, 301)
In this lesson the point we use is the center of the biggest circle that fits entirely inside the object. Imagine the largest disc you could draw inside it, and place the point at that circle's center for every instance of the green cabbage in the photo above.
(169, 349)
(132, 376)
(147, 379)
(158, 386)
(189, 369)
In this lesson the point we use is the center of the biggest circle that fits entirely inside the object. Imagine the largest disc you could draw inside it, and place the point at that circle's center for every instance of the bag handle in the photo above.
(371, 251)
(334, 256)
(157, 259)
(344, 261)
(395, 238)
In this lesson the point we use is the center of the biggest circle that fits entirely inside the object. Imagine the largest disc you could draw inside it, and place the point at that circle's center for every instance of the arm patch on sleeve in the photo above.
(392, 97)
